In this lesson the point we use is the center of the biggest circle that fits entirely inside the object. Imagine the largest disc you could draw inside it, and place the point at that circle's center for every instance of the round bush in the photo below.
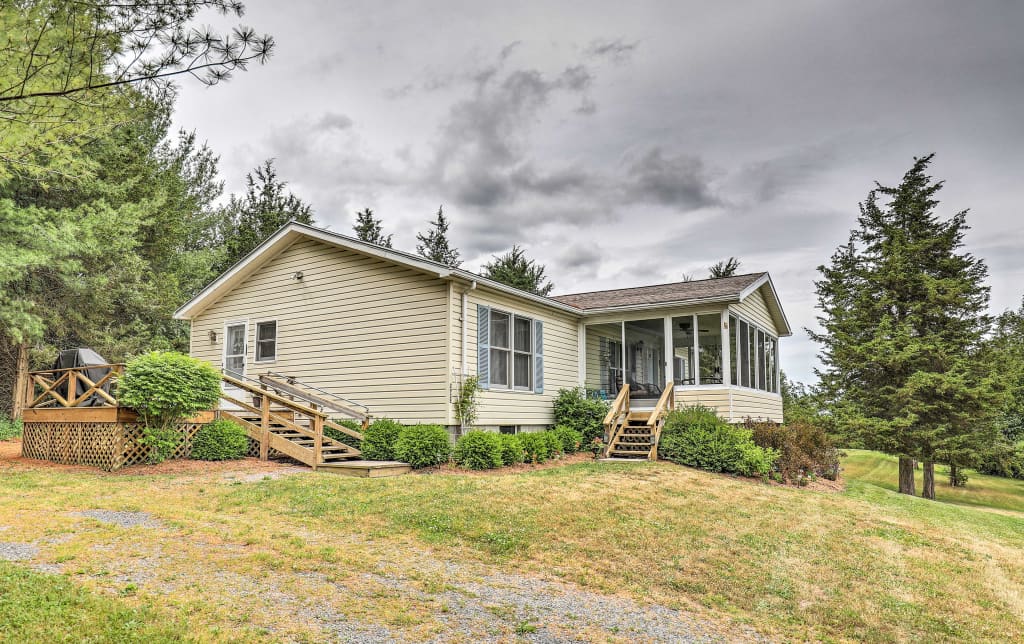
(512, 452)
(554, 442)
(536, 446)
(478, 450)
(699, 438)
(573, 409)
(165, 387)
(379, 440)
(221, 440)
(572, 440)
(422, 445)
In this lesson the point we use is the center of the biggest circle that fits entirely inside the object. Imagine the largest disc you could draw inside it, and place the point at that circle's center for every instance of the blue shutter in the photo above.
(538, 357)
(483, 345)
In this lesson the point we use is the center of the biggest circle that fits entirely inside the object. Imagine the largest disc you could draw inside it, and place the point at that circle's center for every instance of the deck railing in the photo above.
(657, 419)
(60, 387)
(616, 417)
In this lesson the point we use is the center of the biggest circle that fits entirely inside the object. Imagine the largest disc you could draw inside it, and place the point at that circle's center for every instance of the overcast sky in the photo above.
(630, 143)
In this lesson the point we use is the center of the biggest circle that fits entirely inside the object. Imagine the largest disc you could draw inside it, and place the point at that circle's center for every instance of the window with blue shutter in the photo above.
(538, 357)
(483, 346)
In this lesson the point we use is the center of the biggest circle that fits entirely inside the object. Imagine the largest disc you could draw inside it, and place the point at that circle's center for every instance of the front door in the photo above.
(234, 350)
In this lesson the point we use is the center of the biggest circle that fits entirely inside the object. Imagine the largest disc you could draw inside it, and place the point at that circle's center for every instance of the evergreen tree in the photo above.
(724, 268)
(903, 319)
(434, 244)
(251, 219)
(514, 269)
(369, 229)
(799, 403)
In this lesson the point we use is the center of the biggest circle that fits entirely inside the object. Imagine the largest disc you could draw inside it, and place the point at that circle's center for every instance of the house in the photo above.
(397, 333)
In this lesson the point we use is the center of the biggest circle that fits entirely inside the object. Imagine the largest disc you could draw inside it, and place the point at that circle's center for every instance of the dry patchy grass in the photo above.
(236, 557)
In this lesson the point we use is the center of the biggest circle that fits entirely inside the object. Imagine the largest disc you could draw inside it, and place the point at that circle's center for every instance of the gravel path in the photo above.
(123, 519)
(13, 551)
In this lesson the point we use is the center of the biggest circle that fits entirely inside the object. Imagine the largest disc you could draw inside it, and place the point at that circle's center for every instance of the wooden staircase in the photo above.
(634, 434)
(286, 426)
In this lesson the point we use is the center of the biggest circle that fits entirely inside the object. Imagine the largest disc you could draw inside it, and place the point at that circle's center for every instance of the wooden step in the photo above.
(366, 469)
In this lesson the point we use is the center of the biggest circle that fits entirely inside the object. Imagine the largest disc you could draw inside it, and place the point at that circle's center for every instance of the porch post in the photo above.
(669, 358)
(696, 350)
(21, 396)
(726, 334)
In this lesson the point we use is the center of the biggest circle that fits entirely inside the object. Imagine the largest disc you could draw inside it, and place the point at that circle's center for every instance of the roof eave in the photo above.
(720, 299)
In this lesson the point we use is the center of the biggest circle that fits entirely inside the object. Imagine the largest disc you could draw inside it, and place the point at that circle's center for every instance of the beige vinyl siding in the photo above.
(354, 325)
(561, 349)
(759, 405)
(755, 310)
(717, 399)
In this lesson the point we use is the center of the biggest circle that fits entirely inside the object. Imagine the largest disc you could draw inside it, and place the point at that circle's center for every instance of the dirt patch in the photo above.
(451, 468)
(12, 460)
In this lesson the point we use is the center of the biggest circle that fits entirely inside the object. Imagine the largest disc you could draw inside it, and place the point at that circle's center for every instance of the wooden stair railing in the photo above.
(615, 419)
(268, 425)
(293, 388)
(657, 420)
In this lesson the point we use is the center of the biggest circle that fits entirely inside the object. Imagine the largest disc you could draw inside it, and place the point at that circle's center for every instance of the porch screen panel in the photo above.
(743, 355)
(483, 346)
(538, 357)
(761, 366)
(733, 355)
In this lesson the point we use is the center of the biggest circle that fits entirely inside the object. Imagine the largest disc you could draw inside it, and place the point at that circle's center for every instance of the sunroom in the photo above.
(721, 351)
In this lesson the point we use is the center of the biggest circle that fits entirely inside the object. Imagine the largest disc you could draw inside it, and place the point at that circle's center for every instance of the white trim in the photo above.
(696, 349)
(725, 332)
(669, 351)
(581, 354)
(766, 279)
(245, 345)
(256, 339)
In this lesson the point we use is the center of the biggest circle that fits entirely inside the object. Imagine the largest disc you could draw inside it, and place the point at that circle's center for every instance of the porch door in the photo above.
(234, 349)
(645, 357)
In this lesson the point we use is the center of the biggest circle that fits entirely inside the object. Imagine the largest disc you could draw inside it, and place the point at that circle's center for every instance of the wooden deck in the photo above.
(71, 418)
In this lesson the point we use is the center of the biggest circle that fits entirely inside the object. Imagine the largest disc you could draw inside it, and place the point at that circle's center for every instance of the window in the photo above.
(511, 351)
(500, 362)
(522, 367)
(506, 429)
(266, 341)
(743, 355)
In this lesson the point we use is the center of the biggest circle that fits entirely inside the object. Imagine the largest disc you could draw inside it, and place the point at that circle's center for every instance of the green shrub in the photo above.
(536, 447)
(379, 440)
(165, 387)
(585, 415)
(10, 428)
(555, 448)
(478, 450)
(423, 445)
(512, 452)
(342, 437)
(804, 449)
(221, 440)
(1004, 459)
(572, 440)
(699, 438)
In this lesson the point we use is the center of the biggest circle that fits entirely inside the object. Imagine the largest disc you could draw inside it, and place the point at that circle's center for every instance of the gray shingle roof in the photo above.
(721, 288)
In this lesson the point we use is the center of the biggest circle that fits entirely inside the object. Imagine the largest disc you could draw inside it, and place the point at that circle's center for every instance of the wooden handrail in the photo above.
(663, 402)
(115, 366)
(50, 379)
(290, 404)
(622, 400)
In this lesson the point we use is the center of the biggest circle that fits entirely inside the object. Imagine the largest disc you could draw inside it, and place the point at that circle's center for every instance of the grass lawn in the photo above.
(226, 559)
(983, 491)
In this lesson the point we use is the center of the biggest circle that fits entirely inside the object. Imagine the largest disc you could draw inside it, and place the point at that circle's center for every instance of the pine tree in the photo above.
(514, 269)
(434, 244)
(369, 230)
(251, 219)
(724, 268)
(903, 320)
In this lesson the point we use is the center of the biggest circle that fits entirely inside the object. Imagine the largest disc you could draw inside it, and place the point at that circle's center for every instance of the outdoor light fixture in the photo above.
(213, 337)
(298, 276)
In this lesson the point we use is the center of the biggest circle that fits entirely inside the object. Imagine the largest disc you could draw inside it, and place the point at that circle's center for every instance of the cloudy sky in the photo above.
(631, 143)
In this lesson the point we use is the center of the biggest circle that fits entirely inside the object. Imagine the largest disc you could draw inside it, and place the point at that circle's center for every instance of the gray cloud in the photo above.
(679, 181)
(617, 50)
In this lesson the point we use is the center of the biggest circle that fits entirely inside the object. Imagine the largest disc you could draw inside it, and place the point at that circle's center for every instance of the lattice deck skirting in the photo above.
(108, 446)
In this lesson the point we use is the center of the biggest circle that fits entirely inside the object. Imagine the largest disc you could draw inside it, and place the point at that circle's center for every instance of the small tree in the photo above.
(369, 230)
(466, 405)
(725, 268)
(434, 244)
(165, 387)
(514, 269)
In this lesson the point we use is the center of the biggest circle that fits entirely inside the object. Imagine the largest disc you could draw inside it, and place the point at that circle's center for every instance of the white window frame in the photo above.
(512, 351)
(256, 341)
